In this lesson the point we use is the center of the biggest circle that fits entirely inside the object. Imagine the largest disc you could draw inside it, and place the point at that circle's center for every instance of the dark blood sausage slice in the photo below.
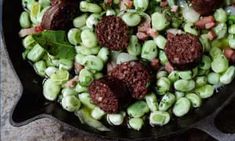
(206, 7)
(136, 76)
(60, 14)
(183, 51)
(110, 94)
(112, 33)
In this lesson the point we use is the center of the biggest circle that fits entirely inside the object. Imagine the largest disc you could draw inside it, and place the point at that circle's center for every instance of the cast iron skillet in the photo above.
(32, 105)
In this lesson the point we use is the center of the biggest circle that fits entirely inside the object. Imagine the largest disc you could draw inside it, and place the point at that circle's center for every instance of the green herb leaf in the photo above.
(55, 43)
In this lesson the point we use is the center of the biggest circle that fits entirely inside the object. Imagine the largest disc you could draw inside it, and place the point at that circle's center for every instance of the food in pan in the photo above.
(129, 62)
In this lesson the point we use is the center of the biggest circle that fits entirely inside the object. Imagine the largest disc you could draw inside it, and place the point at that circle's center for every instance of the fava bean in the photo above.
(80, 21)
(186, 75)
(163, 57)
(195, 100)
(201, 81)
(134, 47)
(136, 123)
(184, 85)
(85, 77)
(161, 74)
(160, 41)
(179, 94)
(79, 58)
(24, 20)
(86, 100)
(220, 15)
(151, 101)
(44, 3)
(110, 12)
(220, 30)
(215, 51)
(74, 36)
(174, 76)
(159, 21)
(50, 70)
(85, 117)
(213, 78)
(131, 19)
(115, 119)
(68, 92)
(70, 103)
(65, 64)
(228, 76)
(149, 50)
(205, 42)
(93, 63)
(98, 75)
(89, 38)
(181, 107)
(159, 118)
(40, 67)
(29, 42)
(97, 113)
(163, 85)
(60, 76)
(220, 64)
(206, 63)
(92, 20)
(51, 89)
(138, 109)
(103, 54)
(231, 41)
(90, 7)
(188, 27)
(205, 91)
(125, 57)
(141, 4)
(80, 89)
(166, 102)
(36, 53)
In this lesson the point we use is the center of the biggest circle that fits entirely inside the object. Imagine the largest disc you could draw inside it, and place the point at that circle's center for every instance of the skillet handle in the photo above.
(208, 125)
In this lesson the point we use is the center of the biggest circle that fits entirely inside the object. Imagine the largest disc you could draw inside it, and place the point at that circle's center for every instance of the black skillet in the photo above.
(32, 105)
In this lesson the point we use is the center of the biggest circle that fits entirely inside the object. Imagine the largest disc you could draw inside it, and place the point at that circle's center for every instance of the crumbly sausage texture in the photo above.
(112, 33)
(60, 14)
(206, 7)
(110, 94)
(183, 51)
(136, 76)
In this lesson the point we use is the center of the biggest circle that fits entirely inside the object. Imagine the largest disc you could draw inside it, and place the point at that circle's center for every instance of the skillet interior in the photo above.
(32, 102)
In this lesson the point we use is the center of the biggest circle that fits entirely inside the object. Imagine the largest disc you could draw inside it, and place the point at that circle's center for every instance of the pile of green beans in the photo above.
(174, 94)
